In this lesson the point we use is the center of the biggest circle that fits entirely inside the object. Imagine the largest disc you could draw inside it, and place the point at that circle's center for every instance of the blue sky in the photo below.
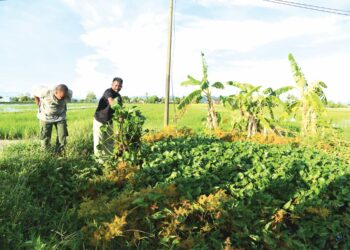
(85, 43)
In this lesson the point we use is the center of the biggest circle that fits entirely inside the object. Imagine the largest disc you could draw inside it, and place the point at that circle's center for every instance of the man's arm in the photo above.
(110, 101)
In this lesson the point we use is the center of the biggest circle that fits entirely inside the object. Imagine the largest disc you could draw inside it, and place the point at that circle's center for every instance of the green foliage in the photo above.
(256, 108)
(130, 123)
(153, 99)
(39, 194)
(203, 91)
(331, 104)
(194, 193)
(189, 99)
(90, 97)
(312, 100)
(199, 191)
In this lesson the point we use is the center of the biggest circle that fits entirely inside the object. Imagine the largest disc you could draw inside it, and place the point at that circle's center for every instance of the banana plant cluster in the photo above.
(312, 100)
(204, 91)
(257, 107)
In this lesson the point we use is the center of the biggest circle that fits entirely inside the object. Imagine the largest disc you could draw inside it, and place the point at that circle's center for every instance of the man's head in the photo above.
(61, 91)
(117, 84)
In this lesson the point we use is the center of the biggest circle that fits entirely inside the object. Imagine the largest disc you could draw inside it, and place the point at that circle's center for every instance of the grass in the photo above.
(341, 118)
(38, 193)
(23, 123)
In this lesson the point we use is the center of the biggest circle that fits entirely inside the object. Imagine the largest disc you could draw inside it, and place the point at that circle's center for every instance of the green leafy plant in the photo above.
(204, 91)
(312, 100)
(195, 192)
(256, 108)
(129, 131)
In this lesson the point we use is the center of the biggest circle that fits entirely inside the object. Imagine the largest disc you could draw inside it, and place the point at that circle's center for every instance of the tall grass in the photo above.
(39, 193)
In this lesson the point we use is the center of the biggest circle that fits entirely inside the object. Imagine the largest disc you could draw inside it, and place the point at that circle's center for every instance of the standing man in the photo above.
(52, 110)
(104, 139)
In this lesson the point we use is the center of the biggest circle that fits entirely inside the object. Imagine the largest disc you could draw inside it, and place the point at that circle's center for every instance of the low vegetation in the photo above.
(266, 175)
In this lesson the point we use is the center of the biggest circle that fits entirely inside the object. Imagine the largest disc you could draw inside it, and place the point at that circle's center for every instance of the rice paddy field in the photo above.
(20, 122)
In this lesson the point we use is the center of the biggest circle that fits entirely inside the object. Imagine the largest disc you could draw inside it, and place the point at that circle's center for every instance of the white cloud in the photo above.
(332, 70)
(97, 13)
(247, 35)
(136, 48)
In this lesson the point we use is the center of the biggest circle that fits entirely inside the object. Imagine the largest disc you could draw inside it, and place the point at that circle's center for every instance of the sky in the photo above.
(86, 43)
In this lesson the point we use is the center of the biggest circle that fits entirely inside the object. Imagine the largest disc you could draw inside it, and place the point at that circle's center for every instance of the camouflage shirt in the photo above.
(50, 108)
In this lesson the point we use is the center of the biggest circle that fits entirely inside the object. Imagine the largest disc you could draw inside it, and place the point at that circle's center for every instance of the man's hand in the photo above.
(110, 101)
(37, 100)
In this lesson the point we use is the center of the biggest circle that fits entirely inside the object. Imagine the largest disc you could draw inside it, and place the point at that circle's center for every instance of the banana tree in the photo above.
(204, 91)
(256, 108)
(312, 101)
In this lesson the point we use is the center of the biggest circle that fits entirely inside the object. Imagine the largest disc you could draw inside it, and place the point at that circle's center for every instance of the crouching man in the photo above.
(52, 108)
(104, 139)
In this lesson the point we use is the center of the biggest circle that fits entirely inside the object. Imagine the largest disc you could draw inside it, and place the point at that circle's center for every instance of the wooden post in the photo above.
(168, 67)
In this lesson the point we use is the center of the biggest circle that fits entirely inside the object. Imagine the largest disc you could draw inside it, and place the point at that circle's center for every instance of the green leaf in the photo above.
(205, 68)
(322, 84)
(218, 85)
(288, 204)
(298, 75)
(283, 90)
(188, 99)
(158, 215)
(204, 86)
(191, 82)
(264, 122)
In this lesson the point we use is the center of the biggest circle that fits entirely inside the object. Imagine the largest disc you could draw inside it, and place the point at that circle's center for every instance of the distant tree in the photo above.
(137, 100)
(91, 97)
(331, 104)
(177, 100)
(126, 99)
(153, 99)
(14, 99)
(24, 98)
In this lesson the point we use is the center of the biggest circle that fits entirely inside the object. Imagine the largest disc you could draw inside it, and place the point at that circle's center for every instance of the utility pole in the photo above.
(168, 67)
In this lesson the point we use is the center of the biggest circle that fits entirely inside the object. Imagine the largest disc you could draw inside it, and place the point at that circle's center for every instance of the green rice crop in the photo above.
(23, 123)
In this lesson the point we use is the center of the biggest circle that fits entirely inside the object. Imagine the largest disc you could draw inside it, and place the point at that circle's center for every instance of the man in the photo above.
(103, 116)
(52, 110)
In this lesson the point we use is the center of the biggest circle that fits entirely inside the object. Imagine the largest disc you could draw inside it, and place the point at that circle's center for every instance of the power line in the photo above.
(310, 7)
(314, 6)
